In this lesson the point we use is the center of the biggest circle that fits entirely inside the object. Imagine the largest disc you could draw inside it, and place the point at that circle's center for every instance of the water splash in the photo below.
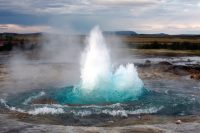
(96, 67)
(100, 83)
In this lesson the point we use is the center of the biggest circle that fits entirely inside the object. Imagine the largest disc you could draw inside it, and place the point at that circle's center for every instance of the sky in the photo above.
(79, 16)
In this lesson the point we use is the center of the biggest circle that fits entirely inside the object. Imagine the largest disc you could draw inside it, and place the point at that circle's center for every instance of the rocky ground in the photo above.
(8, 125)
(166, 70)
(14, 122)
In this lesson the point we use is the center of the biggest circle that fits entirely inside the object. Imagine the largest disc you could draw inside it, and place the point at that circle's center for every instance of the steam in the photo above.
(47, 66)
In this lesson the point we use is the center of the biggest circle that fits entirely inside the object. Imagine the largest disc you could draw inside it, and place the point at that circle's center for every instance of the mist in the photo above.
(56, 63)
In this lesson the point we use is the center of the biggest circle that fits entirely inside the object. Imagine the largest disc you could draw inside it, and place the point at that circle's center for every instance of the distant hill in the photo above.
(9, 41)
(26, 34)
(131, 33)
(121, 33)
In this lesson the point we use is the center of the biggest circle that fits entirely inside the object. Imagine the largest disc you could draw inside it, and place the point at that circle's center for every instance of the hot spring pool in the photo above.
(61, 101)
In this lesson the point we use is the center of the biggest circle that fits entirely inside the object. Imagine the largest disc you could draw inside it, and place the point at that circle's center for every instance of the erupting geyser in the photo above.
(100, 88)
(100, 83)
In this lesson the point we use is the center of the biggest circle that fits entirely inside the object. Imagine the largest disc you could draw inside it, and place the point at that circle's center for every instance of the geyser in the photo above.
(100, 82)
(103, 92)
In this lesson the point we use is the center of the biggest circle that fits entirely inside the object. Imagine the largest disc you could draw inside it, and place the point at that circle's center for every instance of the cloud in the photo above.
(69, 6)
(175, 27)
(44, 7)
(3, 27)
(24, 29)
(81, 15)
(126, 2)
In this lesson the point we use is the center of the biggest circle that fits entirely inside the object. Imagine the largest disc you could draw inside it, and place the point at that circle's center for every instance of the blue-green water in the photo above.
(74, 95)
(69, 102)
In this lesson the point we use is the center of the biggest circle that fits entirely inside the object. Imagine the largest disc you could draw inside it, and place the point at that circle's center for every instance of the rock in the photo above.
(147, 62)
(180, 70)
(195, 76)
(164, 63)
(44, 101)
(178, 122)
(110, 121)
(144, 129)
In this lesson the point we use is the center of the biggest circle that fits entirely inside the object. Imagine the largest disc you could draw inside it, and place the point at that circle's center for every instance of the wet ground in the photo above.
(11, 125)
(164, 74)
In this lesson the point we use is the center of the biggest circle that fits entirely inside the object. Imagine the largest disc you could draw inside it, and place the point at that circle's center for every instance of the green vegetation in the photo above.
(165, 52)
(9, 41)
(172, 46)
(176, 42)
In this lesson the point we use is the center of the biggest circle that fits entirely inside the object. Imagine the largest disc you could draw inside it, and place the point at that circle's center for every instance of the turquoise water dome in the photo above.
(100, 83)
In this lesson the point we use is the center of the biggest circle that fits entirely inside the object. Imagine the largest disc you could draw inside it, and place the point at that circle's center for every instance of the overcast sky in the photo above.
(79, 16)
